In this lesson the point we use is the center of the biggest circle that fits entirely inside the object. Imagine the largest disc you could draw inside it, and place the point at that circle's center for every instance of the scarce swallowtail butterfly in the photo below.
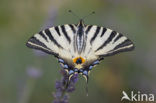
(79, 47)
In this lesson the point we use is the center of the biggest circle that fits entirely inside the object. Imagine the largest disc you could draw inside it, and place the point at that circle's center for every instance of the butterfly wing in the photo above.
(55, 40)
(106, 42)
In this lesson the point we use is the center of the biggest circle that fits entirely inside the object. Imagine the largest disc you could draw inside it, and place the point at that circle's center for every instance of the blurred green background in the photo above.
(28, 76)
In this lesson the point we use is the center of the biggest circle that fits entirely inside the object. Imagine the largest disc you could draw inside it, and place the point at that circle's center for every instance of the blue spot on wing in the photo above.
(61, 60)
(76, 70)
(90, 67)
(66, 66)
(85, 72)
(71, 72)
(96, 62)
(80, 70)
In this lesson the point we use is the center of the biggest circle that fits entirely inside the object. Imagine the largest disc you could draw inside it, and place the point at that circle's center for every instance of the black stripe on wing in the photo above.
(36, 44)
(103, 31)
(42, 34)
(111, 36)
(126, 45)
(123, 44)
(57, 30)
(118, 37)
(49, 34)
(88, 29)
(119, 49)
(65, 33)
(95, 34)
(72, 28)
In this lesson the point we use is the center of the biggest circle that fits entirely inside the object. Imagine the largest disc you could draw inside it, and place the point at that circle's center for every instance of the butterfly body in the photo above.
(80, 47)
(80, 37)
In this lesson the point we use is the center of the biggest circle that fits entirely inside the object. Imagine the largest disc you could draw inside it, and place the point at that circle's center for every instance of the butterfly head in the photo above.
(81, 23)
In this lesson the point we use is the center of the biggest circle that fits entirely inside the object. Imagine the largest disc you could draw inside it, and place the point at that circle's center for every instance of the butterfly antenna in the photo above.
(88, 15)
(70, 11)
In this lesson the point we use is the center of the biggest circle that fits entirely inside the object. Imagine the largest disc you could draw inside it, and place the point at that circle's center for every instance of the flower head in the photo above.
(63, 87)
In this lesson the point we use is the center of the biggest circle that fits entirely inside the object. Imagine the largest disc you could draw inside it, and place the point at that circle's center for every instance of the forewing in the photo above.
(106, 42)
(55, 40)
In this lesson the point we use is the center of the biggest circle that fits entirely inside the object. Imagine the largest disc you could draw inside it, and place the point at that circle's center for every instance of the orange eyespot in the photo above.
(78, 60)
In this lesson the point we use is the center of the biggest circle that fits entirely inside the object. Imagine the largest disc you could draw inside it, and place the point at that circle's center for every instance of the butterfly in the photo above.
(79, 47)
